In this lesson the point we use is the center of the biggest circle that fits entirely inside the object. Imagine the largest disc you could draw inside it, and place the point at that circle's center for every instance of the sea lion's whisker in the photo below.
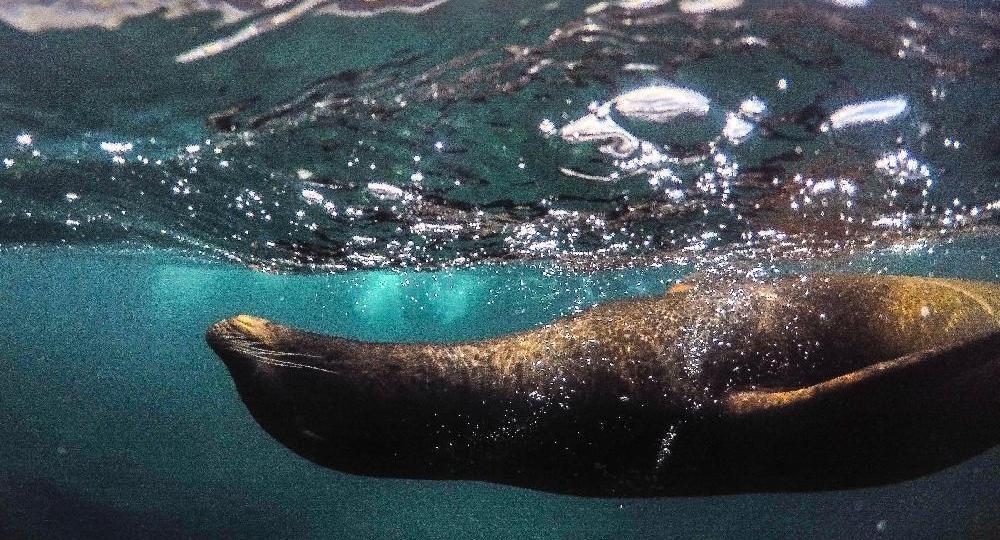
(245, 347)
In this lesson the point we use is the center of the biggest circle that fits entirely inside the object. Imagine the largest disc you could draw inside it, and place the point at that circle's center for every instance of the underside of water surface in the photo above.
(414, 170)
(605, 134)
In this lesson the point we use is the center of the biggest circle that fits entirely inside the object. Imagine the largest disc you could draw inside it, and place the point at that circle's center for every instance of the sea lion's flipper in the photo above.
(883, 423)
(908, 373)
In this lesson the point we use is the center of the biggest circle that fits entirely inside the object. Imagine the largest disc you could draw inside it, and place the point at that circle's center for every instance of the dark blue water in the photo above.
(393, 178)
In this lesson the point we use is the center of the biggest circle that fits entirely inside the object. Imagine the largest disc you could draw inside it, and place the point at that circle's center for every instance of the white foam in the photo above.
(661, 103)
(642, 4)
(385, 191)
(248, 32)
(415, 9)
(866, 112)
(36, 16)
(599, 127)
(116, 147)
(849, 3)
(312, 196)
(707, 6)
(753, 107)
(736, 128)
(547, 127)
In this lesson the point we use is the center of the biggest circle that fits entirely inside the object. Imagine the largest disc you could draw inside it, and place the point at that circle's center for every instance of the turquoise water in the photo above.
(118, 421)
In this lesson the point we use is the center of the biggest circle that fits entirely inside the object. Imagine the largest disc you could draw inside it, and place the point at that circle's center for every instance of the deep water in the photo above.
(116, 420)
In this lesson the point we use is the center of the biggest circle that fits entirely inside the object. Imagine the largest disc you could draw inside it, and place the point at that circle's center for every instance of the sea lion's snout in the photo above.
(342, 403)
(244, 340)
(246, 325)
(221, 335)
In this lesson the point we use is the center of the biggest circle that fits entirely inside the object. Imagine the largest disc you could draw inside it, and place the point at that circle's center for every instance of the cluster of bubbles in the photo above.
(631, 132)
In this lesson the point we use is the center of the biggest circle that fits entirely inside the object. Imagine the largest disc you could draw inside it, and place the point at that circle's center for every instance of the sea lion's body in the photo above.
(823, 382)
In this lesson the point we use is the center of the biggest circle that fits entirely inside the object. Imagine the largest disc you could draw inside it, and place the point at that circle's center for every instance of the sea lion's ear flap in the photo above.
(697, 278)
(688, 282)
(905, 375)
(679, 288)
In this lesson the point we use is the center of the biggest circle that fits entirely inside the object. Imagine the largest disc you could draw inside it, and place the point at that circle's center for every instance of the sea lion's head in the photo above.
(353, 406)
(281, 381)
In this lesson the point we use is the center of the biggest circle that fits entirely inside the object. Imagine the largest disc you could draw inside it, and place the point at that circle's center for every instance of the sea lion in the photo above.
(817, 382)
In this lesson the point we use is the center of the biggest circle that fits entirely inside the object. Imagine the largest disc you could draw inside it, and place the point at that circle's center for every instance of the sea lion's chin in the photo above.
(312, 394)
